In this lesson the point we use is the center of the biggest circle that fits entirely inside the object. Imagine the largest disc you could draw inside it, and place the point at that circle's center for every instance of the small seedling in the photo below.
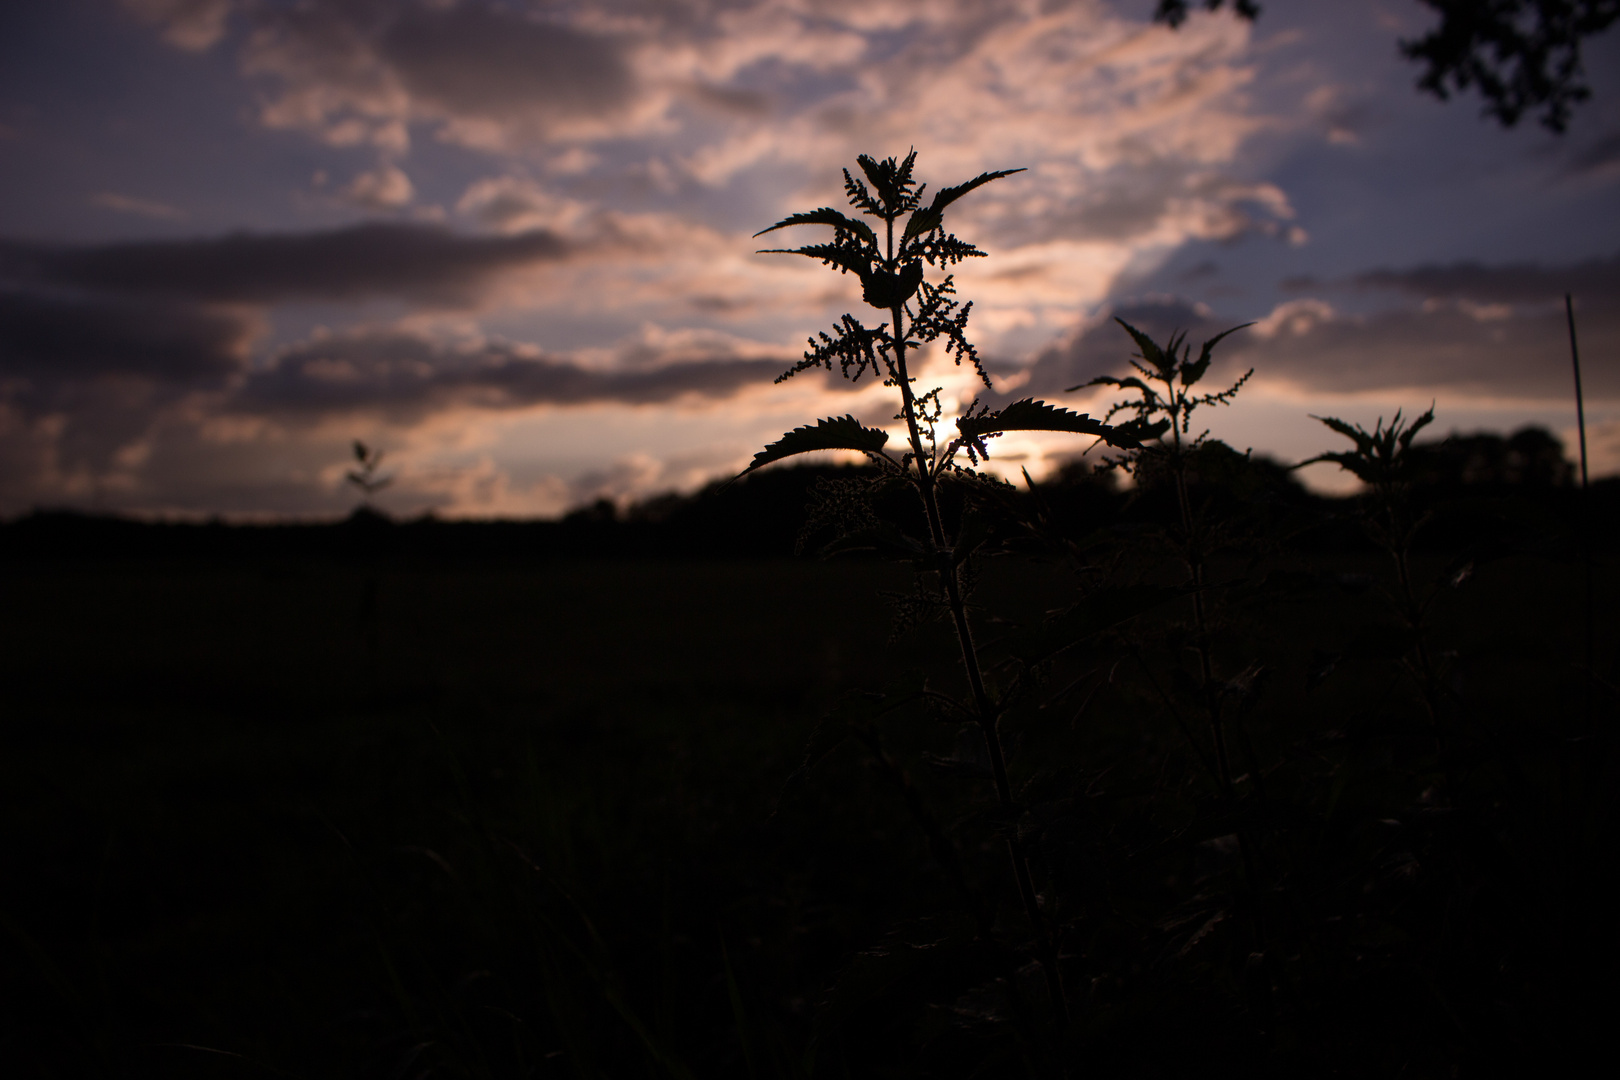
(364, 475)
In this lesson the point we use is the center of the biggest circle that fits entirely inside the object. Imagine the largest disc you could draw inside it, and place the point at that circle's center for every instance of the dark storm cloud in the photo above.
(49, 339)
(483, 61)
(1515, 284)
(416, 262)
(401, 373)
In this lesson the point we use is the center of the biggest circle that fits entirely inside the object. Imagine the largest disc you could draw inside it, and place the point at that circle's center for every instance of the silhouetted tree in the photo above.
(1522, 55)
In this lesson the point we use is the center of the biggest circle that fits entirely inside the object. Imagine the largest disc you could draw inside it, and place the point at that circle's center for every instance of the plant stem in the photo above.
(1206, 668)
(1414, 620)
(1399, 543)
(949, 575)
(1586, 511)
(1194, 557)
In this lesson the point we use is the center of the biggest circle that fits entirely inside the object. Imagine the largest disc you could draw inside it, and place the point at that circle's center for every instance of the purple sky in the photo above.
(510, 242)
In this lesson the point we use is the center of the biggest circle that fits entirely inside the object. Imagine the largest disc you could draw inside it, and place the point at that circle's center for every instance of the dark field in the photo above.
(375, 810)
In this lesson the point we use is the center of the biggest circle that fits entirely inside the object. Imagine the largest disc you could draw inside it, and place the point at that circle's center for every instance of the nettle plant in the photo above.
(1384, 461)
(892, 255)
(1167, 395)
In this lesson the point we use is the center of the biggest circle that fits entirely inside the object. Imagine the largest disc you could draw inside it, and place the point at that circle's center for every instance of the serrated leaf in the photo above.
(827, 216)
(840, 255)
(1032, 415)
(945, 196)
(1417, 425)
(883, 178)
(1193, 371)
(834, 433)
(1149, 348)
(1355, 435)
(1363, 469)
(1141, 430)
(922, 222)
(929, 219)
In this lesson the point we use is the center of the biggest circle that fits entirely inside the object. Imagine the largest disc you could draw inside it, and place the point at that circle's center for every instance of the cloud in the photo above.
(47, 340)
(416, 262)
(485, 75)
(1131, 132)
(513, 204)
(405, 374)
(1515, 284)
(1130, 128)
(192, 25)
(383, 188)
(156, 408)
(1451, 350)
(1161, 198)
(84, 380)
(731, 101)
(124, 204)
(1482, 332)
(1101, 347)
(474, 61)
(623, 151)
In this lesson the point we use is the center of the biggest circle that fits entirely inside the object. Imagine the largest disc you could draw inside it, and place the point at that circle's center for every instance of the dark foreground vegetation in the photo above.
(533, 799)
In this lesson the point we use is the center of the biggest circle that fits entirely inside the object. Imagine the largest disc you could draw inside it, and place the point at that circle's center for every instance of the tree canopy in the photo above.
(1523, 56)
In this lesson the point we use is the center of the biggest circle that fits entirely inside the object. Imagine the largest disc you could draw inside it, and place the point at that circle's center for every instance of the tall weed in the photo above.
(892, 262)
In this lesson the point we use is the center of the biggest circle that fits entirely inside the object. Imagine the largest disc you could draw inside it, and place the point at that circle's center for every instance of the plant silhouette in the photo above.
(364, 475)
(892, 261)
(1165, 385)
(1383, 460)
(1164, 407)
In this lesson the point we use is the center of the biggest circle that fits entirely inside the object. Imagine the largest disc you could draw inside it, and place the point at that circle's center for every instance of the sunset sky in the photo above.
(509, 242)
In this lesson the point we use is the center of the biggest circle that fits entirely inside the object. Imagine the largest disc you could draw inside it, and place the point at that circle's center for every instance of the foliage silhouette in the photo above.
(1163, 408)
(1164, 405)
(892, 269)
(1524, 56)
(364, 475)
(1383, 460)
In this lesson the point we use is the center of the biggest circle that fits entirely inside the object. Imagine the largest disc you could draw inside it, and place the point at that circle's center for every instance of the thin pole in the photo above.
(1586, 504)
(1580, 405)
(1574, 833)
